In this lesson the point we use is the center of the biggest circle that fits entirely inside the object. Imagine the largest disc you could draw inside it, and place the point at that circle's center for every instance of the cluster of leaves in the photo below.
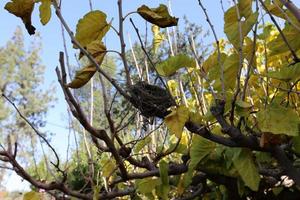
(240, 103)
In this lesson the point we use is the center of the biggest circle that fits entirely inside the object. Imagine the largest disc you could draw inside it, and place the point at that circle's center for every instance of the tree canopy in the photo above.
(178, 121)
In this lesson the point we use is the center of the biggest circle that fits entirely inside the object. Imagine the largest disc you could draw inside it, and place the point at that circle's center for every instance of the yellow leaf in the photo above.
(176, 120)
(173, 87)
(45, 11)
(277, 119)
(108, 168)
(83, 76)
(22, 9)
(158, 37)
(91, 27)
(32, 195)
(158, 16)
(97, 50)
(196, 118)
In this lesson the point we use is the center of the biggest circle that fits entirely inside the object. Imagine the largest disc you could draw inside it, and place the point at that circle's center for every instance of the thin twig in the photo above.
(251, 59)
(122, 43)
(85, 52)
(33, 128)
(148, 56)
(221, 65)
(240, 51)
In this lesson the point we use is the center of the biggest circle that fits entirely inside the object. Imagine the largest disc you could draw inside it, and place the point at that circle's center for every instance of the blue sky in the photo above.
(74, 10)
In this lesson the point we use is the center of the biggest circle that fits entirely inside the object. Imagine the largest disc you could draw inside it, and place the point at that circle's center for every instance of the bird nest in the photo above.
(151, 100)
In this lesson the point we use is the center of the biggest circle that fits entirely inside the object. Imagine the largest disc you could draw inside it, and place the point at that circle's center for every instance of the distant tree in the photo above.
(21, 73)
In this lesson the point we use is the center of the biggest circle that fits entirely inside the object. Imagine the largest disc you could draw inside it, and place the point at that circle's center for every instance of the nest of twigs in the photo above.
(151, 100)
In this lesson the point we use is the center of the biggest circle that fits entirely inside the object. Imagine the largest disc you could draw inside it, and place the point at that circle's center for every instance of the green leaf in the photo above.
(277, 119)
(278, 46)
(163, 172)
(230, 65)
(83, 76)
(158, 38)
(176, 120)
(246, 167)
(96, 192)
(45, 11)
(32, 195)
(212, 61)
(286, 73)
(91, 27)
(243, 108)
(158, 16)
(22, 9)
(296, 144)
(141, 144)
(163, 189)
(173, 63)
(200, 148)
(146, 185)
(248, 19)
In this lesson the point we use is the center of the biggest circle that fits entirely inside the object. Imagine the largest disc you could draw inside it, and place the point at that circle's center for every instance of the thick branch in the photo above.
(292, 7)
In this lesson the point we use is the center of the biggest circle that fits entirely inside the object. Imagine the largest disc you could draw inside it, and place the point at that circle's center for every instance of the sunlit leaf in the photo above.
(279, 46)
(22, 9)
(45, 11)
(91, 27)
(32, 195)
(158, 16)
(196, 118)
(173, 87)
(83, 76)
(176, 120)
(248, 19)
(158, 37)
(243, 162)
(172, 64)
(108, 168)
(272, 120)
